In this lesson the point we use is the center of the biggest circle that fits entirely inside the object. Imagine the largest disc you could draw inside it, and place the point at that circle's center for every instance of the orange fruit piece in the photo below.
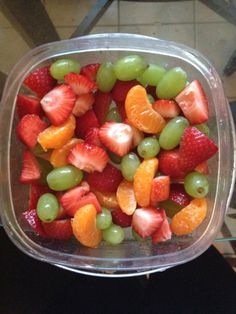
(57, 136)
(107, 199)
(58, 156)
(126, 197)
(84, 226)
(141, 113)
(190, 217)
(143, 181)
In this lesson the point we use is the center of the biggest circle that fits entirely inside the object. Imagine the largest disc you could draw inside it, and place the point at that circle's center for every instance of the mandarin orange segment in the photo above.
(107, 199)
(140, 112)
(190, 217)
(56, 136)
(58, 156)
(143, 181)
(126, 197)
(84, 226)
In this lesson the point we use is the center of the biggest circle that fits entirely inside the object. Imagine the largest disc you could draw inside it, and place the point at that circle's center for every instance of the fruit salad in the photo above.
(113, 146)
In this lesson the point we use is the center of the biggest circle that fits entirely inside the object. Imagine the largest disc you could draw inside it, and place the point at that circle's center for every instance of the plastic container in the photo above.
(130, 258)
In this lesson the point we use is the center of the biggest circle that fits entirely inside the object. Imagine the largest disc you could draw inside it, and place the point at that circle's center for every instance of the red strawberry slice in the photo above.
(30, 171)
(195, 147)
(40, 81)
(90, 71)
(29, 128)
(92, 137)
(178, 195)
(137, 134)
(193, 102)
(169, 164)
(58, 229)
(88, 157)
(117, 137)
(160, 189)
(36, 190)
(80, 84)
(28, 105)
(32, 219)
(121, 109)
(121, 88)
(58, 104)
(120, 218)
(62, 213)
(106, 181)
(146, 221)
(101, 105)
(166, 108)
(86, 122)
(82, 104)
(163, 233)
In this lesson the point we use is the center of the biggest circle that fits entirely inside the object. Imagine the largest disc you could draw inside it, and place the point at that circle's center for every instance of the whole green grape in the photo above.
(47, 207)
(129, 68)
(104, 219)
(129, 165)
(113, 235)
(196, 184)
(149, 147)
(61, 67)
(152, 75)
(106, 77)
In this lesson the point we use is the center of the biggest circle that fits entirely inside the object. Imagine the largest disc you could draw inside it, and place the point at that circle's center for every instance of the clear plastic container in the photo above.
(130, 258)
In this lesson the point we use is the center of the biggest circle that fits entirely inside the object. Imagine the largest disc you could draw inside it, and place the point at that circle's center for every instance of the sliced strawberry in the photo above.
(121, 109)
(58, 104)
(62, 214)
(30, 171)
(169, 163)
(178, 195)
(36, 190)
(163, 233)
(58, 229)
(29, 128)
(166, 108)
(101, 105)
(32, 219)
(117, 137)
(160, 189)
(106, 181)
(80, 84)
(137, 134)
(146, 221)
(28, 105)
(193, 102)
(92, 137)
(88, 157)
(120, 218)
(202, 168)
(82, 104)
(195, 148)
(89, 198)
(121, 88)
(90, 71)
(86, 122)
(40, 81)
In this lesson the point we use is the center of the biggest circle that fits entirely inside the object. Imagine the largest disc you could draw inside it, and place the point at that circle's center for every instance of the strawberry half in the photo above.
(88, 157)
(193, 102)
(160, 190)
(120, 218)
(166, 108)
(195, 147)
(178, 195)
(137, 134)
(117, 137)
(90, 71)
(80, 84)
(92, 137)
(121, 88)
(36, 190)
(86, 122)
(121, 109)
(169, 163)
(30, 171)
(82, 104)
(163, 233)
(31, 217)
(146, 221)
(28, 105)
(29, 128)
(58, 229)
(40, 81)
(101, 105)
(58, 104)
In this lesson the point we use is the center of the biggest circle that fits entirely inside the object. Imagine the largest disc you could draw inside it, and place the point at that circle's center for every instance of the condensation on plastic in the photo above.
(131, 257)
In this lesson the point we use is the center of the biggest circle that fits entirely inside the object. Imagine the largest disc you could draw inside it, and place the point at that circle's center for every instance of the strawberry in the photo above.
(30, 171)
(106, 181)
(101, 105)
(121, 109)
(62, 214)
(92, 137)
(29, 128)
(202, 168)
(137, 134)
(160, 190)
(88, 157)
(178, 195)
(85, 122)
(58, 229)
(90, 71)
(121, 88)
(169, 163)
(163, 233)
(195, 147)
(120, 218)
(146, 221)
(32, 219)
(40, 81)
(36, 190)
(28, 105)
(58, 104)
(117, 137)
(166, 108)
(193, 102)
(82, 104)
(80, 84)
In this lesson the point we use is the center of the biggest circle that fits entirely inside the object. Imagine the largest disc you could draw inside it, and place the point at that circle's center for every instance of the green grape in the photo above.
(148, 147)
(47, 207)
(137, 237)
(152, 75)
(150, 98)
(171, 134)
(203, 128)
(106, 77)
(129, 68)
(45, 167)
(104, 219)
(113, 115)
(113, 235)
(196, 184)
(64, 178)
(171, 84)
(115, 158)
(62, 67)
(129, 165)
(171, 208)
